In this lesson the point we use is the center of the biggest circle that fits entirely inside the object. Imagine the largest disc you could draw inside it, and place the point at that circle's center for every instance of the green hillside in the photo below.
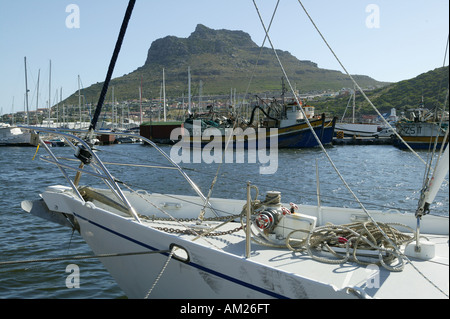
(430, 86)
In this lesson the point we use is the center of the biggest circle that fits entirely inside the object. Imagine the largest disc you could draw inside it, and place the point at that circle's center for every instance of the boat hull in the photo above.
(294, 136)
(357, 129)
(420, 135)
(14, 136)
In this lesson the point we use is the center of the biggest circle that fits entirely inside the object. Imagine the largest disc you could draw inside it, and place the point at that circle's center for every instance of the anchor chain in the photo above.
(196, 232)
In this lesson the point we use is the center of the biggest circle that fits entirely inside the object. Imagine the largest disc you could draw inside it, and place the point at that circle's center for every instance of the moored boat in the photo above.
(423, 129)
(285, 124)
(14, 136)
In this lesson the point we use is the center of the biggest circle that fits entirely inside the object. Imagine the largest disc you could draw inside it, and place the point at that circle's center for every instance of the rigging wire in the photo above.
(396, 248)
(431, 154)
(357, 85)
(371, 104)
(260, 52)
(309, 124)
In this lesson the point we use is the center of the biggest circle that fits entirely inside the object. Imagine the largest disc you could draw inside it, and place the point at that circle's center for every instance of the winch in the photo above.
(275, 222)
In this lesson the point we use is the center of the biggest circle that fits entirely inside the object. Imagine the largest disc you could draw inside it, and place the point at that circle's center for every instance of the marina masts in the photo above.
(26, 90)
(49, 92)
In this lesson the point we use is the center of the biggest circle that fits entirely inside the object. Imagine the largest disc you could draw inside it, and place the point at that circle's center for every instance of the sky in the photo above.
(387, 40)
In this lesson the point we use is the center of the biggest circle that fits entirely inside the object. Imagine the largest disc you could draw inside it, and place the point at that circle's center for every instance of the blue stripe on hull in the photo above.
(305, 138)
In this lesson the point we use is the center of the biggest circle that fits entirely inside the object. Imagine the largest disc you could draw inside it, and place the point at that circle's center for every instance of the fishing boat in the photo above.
(423, 129)
(283, 123)
(252, 247)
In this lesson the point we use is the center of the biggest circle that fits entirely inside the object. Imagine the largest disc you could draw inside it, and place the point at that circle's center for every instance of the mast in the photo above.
(49, 92)
(57, 108)
(63, 114)
(200, 92)
(160, 99)
(26, 90)
(354, 104)
(164, 96)
(113, 118)
(12, 120)
(189, 90)
(79, 98)
(140, 100)
(37, 96)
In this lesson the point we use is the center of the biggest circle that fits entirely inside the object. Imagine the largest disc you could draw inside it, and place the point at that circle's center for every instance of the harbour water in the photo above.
(382, 176)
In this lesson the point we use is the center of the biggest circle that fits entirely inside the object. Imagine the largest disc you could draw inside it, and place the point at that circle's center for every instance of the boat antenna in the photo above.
(112, 64)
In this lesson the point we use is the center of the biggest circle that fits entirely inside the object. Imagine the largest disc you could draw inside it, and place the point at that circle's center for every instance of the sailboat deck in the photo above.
(365, 280)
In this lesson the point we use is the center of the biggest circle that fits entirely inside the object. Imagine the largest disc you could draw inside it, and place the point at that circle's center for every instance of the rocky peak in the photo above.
(202, 40)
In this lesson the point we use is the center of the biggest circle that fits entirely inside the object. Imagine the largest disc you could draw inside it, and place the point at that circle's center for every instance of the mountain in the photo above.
(221, 60)
(431, 87)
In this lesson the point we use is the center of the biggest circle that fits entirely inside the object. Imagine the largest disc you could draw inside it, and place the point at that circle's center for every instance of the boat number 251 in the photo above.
(411, 130)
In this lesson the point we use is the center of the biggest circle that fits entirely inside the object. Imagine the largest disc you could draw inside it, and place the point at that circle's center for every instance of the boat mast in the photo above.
(37, 96)
(79, 98)
(57, 108)
(26, 90)
(12, 120)
(63, 114)
(189, 90)
(164, 96)
(140, 100)
(113, 120)
(354, 104)
(200, 92)
(49, 92)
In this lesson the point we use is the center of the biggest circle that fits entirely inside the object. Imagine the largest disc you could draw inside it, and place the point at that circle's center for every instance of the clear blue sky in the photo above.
(408, 39)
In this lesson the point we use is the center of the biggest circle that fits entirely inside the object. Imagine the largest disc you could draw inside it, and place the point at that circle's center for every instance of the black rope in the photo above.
(112, 64)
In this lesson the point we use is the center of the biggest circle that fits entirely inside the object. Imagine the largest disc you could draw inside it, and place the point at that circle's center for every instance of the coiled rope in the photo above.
(354, 238)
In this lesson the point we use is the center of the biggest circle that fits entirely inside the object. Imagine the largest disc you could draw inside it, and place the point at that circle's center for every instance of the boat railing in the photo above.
(80, 144)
